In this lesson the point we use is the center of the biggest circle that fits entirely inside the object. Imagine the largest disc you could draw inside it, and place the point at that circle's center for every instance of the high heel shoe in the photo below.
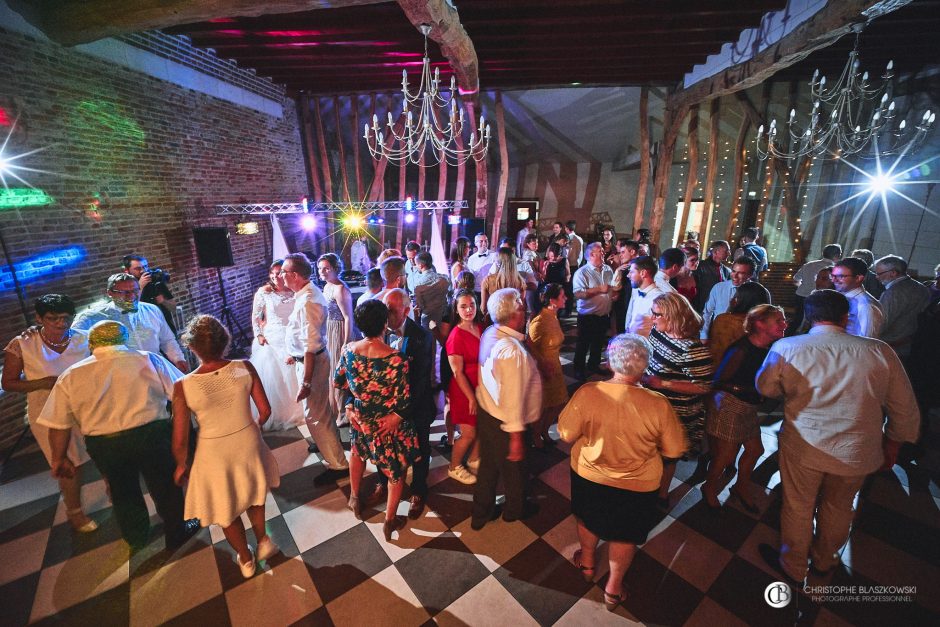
(392, 526)
(587, 572)
(80, 522)
(611, 601)
(354, 505)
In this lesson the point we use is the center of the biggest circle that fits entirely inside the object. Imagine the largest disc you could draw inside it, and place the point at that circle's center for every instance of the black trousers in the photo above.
(124, 457)
(494, 447)
(592, 334)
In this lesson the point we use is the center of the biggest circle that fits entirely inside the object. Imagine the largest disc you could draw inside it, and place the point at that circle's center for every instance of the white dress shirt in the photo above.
(479, 264)
(115, 389)
(639, 319)
(147, 328)
(865, 316)
(520, 239)
(306, 325)
(719, 299)
(662, 282)
(587, 277)
(510, 387)
(836, 390)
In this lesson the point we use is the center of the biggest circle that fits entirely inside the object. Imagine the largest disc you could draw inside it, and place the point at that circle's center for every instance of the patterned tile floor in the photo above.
(696, 568)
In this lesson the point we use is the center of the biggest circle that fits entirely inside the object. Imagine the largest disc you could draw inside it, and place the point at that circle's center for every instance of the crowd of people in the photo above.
(693, 344)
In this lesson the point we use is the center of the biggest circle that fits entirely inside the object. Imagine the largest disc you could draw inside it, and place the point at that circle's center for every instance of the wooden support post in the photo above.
(313, 171)
(402, 194)
(714, 119)
(671, 123)
(441, 195)
(419, 215)
(503, 168)
(738, 178)
(643, 182)
(692, 178)
(342, 149)
(354, 105)
(460, 185)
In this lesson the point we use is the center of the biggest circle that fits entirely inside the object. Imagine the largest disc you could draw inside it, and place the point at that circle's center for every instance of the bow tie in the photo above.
(481, 254)
(641, 293)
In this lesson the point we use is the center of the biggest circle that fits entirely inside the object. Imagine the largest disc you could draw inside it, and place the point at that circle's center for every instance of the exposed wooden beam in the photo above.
(821, 30)
(71, 22)
(447, 30)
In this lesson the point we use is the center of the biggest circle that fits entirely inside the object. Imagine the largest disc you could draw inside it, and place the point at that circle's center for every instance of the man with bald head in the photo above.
(117, 398)
(417, 345)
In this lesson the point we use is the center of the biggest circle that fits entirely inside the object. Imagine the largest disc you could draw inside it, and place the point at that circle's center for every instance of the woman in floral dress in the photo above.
(377, 377)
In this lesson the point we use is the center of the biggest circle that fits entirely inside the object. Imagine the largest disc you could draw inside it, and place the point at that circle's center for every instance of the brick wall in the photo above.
(157, 157)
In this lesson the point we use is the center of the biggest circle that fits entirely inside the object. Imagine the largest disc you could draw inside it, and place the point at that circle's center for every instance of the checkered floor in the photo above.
(696, 569)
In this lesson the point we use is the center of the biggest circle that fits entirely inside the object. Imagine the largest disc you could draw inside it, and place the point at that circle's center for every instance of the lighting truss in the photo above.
(340, 207)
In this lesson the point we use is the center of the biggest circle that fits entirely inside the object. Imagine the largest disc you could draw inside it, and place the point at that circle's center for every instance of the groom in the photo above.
(306, 348)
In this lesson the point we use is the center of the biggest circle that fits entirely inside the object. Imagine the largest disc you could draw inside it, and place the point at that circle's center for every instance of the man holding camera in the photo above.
(153, 286)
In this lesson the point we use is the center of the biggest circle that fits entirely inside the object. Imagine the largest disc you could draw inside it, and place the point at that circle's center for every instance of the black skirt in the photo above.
(613, 514)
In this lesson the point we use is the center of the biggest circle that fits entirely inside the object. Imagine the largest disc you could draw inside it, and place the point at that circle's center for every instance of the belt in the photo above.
(301, 357)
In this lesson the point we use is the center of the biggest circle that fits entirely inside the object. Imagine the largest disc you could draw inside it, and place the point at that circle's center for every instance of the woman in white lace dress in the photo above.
(339, 323)
(272, 306)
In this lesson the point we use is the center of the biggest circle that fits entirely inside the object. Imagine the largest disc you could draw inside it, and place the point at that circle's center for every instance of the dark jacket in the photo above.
(706, 276)
(418, 347)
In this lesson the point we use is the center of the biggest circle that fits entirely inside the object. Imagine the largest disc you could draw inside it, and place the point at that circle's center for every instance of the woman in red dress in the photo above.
(463, 350)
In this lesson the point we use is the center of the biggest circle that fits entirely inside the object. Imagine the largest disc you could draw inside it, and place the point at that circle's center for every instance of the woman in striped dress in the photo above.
(681, 368)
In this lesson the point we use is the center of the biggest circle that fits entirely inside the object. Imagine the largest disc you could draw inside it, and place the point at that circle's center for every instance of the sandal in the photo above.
(80, 522)
(586, 571)
(392, 526)
(611, 601)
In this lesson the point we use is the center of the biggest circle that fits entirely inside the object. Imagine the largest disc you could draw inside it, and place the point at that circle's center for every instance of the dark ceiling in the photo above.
(519, 43)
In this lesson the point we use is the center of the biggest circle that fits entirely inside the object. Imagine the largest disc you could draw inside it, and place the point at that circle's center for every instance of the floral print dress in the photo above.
(379, 386)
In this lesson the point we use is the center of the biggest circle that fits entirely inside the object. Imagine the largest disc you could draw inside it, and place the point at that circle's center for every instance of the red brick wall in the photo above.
(159, 156)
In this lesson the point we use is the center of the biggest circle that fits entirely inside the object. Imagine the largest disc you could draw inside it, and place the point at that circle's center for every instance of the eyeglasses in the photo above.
(125, 292)
(883, 272)
(841, 276)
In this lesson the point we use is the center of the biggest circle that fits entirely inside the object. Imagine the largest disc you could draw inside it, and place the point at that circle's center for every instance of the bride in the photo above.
(273, 304)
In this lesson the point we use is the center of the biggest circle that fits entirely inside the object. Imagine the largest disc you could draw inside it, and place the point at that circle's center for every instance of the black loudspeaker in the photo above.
(213, 247)
(469, 227)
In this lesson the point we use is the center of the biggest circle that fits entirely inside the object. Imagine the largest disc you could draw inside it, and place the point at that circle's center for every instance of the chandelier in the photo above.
(845, 118)
(423, 131)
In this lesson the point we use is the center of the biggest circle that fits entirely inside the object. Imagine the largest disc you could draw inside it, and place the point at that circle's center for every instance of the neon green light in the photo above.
(16, 197)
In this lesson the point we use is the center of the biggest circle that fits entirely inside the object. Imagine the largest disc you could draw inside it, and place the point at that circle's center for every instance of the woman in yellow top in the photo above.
(546, 338)
(728, 327)
(621, 433)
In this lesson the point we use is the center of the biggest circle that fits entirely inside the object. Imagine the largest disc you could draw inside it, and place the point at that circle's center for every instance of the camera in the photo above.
(159, 275)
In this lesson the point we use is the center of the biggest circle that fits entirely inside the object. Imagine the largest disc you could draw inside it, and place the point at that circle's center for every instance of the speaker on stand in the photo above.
(214, 250)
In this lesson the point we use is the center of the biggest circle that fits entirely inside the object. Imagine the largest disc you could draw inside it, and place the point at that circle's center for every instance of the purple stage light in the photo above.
(308, 223)
(409, 218)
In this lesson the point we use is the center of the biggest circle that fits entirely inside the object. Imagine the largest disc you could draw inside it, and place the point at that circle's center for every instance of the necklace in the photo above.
(65, 341)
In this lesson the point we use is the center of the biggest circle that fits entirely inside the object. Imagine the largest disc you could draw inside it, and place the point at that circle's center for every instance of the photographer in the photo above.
(153, 286)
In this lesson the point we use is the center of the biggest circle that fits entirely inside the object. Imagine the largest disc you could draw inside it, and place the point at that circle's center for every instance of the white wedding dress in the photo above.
(269, 315)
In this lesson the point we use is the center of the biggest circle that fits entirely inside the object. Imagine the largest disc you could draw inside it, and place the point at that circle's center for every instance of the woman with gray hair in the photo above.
(620, 433)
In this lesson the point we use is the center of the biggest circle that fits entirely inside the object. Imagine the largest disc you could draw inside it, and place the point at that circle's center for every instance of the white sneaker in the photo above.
(267, 548)
(461, 474)
(248, 569)
(474, 466)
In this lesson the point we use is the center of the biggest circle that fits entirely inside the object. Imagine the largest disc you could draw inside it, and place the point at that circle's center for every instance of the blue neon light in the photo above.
(42, 266)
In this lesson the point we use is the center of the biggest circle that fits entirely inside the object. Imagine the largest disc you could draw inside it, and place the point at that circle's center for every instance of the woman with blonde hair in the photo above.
(339, 323)
(681, 368)
(732, 418)
(506, 276)
(233, 469)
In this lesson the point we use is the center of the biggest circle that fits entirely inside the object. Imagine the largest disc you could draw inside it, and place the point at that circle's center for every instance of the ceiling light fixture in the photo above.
(421, 132)
(845, 118)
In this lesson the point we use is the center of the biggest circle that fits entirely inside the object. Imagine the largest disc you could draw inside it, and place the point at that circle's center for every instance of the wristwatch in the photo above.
(305, 385)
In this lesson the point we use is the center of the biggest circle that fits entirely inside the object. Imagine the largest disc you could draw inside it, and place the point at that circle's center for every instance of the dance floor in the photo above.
(697, 568)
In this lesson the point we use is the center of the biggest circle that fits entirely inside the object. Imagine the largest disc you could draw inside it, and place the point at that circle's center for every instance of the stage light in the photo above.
(246, 228)
(880, 183)
(453, 220)
(353, 222)
(381, 220)
(409, 217)
(308, 222)
(409, 203)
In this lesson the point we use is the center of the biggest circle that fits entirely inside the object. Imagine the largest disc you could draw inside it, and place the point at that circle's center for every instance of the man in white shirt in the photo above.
(641, 274)
(412, 249)
(865, 316)
(592, 288)
(528, 227)
(719, 299)
(836, 390)
(117, 398)
(805, 280)
(671, 262)
(509, 397)
(306, 347)
(479, 262)
(146, 326)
